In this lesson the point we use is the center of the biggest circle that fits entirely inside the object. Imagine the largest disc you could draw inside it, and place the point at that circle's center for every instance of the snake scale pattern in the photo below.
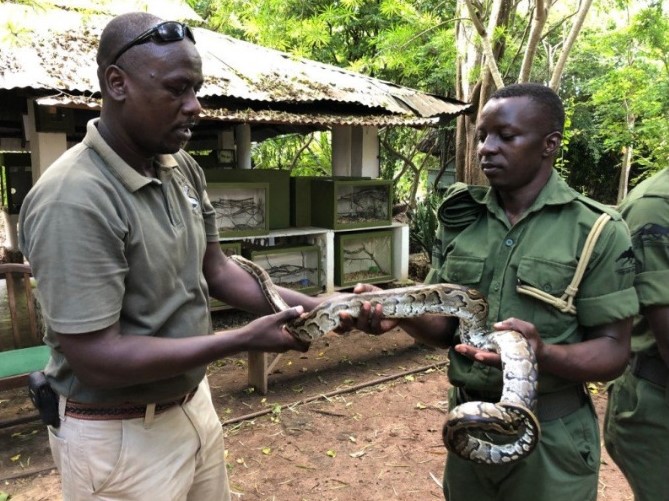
(469, 426)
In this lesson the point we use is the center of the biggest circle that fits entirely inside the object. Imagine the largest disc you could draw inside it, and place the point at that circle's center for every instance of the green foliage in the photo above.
(615, 86)
(424, 222)
(587, 166)
(405, 42)
(402, 161)
(303, 155)
(408, 43)
(618, 81)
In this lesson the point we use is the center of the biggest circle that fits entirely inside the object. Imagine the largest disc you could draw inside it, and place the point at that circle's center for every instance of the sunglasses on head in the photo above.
(166, 32)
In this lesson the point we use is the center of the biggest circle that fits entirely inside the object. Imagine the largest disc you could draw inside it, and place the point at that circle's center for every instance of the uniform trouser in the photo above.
(563, 466)
(176, 455)
(636, 435)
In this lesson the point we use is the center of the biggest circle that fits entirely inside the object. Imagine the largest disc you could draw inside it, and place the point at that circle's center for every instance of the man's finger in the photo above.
(292, 313)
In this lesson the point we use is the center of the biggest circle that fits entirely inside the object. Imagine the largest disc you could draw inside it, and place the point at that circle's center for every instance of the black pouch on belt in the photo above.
(43, 398)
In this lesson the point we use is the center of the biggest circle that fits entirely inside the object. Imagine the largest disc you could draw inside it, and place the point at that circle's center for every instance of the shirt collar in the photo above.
(555, 192)
(129, 177)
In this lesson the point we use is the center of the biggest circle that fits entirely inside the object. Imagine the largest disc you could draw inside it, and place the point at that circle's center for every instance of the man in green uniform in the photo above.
(636, 429)
(527, 232)
(124, 245)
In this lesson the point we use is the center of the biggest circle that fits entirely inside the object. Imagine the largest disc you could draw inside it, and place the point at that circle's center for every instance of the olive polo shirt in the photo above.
(646, 210)
(107, 244)
(477, 247)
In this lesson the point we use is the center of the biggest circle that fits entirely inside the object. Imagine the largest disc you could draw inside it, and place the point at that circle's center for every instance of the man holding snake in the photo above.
(526, 232)
(123, 243)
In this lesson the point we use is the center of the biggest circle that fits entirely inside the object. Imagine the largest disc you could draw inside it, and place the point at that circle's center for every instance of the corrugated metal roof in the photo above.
(64, 61)
(251, 115)
(278, 76)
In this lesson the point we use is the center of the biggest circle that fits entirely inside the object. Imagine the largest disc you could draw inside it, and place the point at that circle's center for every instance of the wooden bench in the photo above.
(22, 350)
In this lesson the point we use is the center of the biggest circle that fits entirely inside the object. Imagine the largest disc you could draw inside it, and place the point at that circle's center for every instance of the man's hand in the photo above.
(370, 319)
(268, 333)
(528, 330)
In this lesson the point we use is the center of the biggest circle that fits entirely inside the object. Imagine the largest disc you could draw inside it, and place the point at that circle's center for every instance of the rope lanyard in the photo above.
(566, 303)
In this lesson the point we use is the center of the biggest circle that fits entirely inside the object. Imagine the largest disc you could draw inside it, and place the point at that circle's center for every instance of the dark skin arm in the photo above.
(432, 330)
(658, 320)
(109, 359)
(602, 356)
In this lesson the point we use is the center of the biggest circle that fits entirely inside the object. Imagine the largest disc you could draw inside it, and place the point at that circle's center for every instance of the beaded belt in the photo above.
(96, 412)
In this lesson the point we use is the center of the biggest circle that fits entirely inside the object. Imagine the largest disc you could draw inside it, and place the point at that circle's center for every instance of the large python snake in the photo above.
(468, 428)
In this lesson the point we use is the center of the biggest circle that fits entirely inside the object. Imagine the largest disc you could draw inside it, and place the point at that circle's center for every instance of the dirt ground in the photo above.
(357, 417)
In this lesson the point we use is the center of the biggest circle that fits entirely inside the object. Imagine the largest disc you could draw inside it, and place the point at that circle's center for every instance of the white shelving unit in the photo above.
(324, 238)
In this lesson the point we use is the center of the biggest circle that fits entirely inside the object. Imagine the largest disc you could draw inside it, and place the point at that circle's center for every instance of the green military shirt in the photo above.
(646, 210)
(107, 244)
(477, 247)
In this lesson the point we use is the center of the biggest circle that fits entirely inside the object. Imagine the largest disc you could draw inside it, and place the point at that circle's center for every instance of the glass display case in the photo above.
(295, 267)
(241, 208)
(363, 257)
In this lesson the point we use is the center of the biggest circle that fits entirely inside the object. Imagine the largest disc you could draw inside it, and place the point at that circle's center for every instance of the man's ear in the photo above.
(115, 81)
(552, 143)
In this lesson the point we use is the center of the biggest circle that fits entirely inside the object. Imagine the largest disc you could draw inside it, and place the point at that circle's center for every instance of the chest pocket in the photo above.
(547, 276)
(462, 270)
(548, 293)
(547, 281)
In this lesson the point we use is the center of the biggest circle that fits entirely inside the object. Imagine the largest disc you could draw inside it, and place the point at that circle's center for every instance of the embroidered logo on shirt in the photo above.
(192, 198)
(652, 233)
(626, 262)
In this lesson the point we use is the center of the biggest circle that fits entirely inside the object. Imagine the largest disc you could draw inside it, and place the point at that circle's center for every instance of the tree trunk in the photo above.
(538, 23)
(486, 43)
(569, 43)
(625, 172)
(628, 152)
(467, 59)
(478, 93)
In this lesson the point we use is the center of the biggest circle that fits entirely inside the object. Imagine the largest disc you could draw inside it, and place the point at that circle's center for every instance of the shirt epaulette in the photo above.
(599, 207)
(460, 208)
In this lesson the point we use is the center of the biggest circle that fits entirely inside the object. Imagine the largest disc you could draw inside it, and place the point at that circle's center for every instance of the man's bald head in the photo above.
(121, 30)
(149, 72)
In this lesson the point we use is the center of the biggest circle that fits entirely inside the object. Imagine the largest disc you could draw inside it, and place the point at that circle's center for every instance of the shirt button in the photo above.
(508, 242)
(495, 286)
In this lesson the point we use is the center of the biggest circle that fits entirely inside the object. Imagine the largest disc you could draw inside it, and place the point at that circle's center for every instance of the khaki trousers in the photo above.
(176, 455)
